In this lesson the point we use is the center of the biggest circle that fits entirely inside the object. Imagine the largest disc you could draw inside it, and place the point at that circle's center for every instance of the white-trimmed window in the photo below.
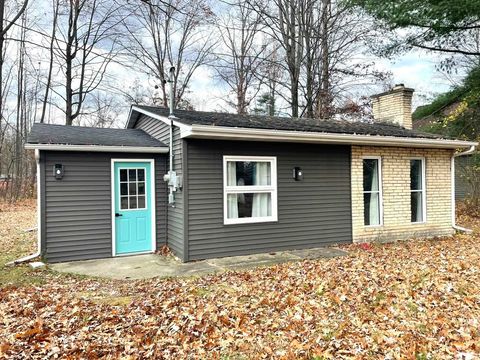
(249, 189)
(372, 191)
(417, 190)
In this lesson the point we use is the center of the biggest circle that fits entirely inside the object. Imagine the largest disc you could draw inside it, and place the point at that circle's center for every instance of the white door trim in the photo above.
(152, 201)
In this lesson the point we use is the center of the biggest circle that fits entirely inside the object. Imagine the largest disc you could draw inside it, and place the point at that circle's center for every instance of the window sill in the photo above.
(373, 226)
(249, 221)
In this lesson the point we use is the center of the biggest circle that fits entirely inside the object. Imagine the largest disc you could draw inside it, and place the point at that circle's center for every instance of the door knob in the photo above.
(117, 215)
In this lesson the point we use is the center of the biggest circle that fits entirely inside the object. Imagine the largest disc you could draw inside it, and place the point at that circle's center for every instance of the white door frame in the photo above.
(152, 202)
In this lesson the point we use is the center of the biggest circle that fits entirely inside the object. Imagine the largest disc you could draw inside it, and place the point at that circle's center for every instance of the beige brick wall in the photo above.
(396, 194)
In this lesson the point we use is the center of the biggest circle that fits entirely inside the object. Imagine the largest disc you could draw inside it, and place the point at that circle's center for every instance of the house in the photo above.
(212, 185)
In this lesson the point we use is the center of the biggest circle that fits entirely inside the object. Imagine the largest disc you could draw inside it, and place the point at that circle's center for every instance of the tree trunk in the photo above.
(50, 66)
(324, 99)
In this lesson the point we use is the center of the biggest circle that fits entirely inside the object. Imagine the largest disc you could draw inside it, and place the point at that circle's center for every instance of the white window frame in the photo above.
(248, 189)
(380, 191)
(424, 190)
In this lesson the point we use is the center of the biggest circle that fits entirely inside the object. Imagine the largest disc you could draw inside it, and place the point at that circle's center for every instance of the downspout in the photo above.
(452, 175)
(39, 218)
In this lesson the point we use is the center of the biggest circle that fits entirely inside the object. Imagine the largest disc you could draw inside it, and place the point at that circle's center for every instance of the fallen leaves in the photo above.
(408, 300)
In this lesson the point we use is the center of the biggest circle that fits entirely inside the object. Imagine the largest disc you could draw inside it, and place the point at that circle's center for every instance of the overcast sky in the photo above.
(415, 69)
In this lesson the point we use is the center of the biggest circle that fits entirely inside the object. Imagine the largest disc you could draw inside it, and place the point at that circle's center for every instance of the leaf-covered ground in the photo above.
(408, 300)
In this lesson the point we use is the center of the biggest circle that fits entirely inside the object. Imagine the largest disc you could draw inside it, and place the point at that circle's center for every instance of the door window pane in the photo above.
(141, 188)
(132, 188)
(141, 202)
(132, 175)
(124, 202)
(141, 174)
(124, 189)
(133, 202)
(123, 175)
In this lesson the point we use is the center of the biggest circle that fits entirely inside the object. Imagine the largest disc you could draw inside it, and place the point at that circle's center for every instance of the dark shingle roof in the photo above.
(288, 124)
(80, 135)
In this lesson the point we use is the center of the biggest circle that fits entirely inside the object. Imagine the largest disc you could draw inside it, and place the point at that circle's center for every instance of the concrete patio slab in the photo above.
(152, 265)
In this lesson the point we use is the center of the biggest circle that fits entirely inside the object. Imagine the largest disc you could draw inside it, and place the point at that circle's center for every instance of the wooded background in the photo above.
(67, 61)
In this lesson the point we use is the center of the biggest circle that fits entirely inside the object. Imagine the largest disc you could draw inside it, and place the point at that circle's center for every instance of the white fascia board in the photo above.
(99, 148)
(164, 119)
(232, 133)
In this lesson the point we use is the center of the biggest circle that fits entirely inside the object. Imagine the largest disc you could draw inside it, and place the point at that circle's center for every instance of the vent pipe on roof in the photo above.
(172, 95)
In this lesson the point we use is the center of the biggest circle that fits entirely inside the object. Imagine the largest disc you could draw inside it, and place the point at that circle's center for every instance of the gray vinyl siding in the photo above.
(77, 223)
(161, 131)
(311, 213)
(462, 188)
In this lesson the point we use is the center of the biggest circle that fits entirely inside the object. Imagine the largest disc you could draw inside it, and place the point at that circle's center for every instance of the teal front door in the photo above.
(133, 207)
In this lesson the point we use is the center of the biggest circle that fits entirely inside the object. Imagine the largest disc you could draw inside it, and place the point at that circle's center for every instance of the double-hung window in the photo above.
(250, 189)
(417, 190)
(372, 191)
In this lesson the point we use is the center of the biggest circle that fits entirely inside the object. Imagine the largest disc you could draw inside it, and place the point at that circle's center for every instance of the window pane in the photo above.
(141, 174)
(249, 205)
(141, 188)
(132, 175)
(124, 189)
(371, 206)
(416, 206)
(248, 173)
(132, 188)
(141, 202)
(124, 202)
(123, 175)
(133, 202)
(416, 174)
(370, 175)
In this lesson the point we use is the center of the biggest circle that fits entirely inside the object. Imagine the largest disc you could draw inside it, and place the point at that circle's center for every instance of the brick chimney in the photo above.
(394, 106)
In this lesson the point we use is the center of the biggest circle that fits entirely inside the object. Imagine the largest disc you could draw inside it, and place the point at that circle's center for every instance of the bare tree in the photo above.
(170, 33)
(55, 8)
(318, 41)
(9, 14)
(85, 43)
(284, 18)
(5, 26)
(241, 54)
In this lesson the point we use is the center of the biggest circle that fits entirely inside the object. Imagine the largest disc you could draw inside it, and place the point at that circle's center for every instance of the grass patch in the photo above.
(16, 242)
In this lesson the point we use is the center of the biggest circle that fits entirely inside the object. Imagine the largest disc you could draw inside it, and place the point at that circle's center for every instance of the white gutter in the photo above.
(452, 175)
(233, 133)
(98, 148)
(39, 218)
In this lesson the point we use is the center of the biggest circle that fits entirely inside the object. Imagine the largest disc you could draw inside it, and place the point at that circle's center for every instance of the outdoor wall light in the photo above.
(297, 174)
(58, 171)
